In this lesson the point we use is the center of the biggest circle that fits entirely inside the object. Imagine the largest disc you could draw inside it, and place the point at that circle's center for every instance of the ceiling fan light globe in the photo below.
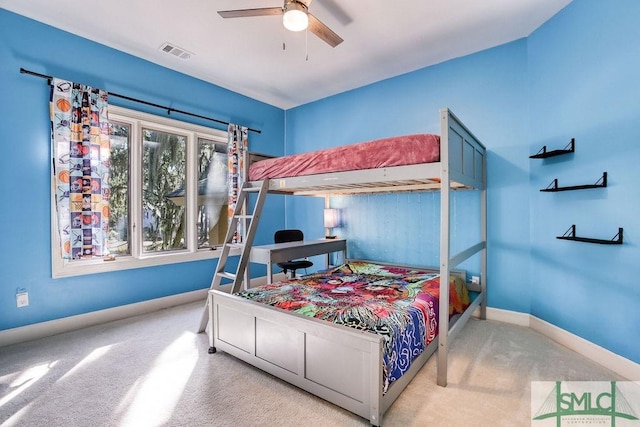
(295, 18)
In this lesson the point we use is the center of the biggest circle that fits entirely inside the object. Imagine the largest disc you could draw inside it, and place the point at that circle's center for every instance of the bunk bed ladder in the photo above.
(250, 222)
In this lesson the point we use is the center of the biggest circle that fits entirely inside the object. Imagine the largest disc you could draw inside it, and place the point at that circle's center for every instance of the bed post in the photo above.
(443, 317)
(483, 237)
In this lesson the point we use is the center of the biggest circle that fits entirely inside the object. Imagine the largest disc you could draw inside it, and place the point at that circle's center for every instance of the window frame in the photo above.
(137, 258)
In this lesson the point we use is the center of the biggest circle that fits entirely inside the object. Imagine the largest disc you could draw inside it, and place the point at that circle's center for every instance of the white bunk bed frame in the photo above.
(340, 364)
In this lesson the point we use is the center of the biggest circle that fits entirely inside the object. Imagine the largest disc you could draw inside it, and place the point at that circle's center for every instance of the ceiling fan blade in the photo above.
(243, 13)
(324, 32)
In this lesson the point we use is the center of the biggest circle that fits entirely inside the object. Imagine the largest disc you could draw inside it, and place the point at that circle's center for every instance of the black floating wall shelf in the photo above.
(543, 153)
(553, 187)
(570, 234)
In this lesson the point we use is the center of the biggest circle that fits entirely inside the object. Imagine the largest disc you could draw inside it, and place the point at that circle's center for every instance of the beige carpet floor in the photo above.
(154, 370)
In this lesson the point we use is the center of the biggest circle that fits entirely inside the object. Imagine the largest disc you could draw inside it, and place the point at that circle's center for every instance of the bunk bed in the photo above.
(339, 363)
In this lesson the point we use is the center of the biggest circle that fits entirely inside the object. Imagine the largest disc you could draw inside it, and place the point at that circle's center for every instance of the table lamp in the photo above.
(331, 220)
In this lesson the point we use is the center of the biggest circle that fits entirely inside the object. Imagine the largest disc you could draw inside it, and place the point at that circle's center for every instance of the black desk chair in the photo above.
(283, 236)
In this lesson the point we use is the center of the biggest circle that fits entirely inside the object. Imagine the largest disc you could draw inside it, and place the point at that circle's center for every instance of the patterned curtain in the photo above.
(81, 150)
(237, 145)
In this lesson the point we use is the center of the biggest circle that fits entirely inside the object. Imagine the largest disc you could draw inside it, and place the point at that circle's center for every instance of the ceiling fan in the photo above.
(295, 17)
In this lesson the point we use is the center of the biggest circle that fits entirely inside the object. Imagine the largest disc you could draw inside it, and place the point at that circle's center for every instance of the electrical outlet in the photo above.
(475, 280)
(22, 299)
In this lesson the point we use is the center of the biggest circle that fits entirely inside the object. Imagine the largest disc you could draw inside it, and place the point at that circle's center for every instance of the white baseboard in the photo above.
(618, 364)
(72, 323)
(505, 316)
(80, 321)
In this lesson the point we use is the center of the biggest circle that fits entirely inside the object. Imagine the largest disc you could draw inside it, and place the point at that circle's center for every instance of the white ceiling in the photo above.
(382, 39)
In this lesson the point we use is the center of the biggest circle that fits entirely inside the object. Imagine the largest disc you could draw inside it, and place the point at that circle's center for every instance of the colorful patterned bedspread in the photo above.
(399, 304)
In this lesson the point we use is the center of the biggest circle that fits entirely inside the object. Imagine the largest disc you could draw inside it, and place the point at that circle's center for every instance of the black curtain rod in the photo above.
(128, 98)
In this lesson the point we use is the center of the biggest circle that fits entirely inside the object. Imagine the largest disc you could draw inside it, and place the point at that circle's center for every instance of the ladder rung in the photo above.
(235, 245)
(251, 189)
(227, 275)
(243, 216)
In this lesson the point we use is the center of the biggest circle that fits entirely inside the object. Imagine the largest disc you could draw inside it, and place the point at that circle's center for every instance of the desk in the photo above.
(280, 252)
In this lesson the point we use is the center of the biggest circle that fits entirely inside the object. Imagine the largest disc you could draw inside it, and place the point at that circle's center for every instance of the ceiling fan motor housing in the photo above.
(295, 16)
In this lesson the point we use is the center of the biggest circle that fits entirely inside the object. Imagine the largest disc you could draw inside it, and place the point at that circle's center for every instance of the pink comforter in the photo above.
(396, 151)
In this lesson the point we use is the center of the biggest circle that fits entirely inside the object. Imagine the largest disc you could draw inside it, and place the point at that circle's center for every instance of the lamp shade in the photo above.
(295, 17)
(331, 218)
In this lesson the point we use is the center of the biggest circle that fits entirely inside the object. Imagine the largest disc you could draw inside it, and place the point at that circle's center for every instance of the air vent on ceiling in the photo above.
(175, 51)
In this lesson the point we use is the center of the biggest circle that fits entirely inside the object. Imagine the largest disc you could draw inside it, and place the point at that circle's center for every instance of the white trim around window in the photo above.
(137, 259)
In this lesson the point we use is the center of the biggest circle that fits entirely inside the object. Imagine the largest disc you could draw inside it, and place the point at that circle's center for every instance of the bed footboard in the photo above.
(334, 362)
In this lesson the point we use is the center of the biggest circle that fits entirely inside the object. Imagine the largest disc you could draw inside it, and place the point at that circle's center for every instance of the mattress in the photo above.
(399, 304)
(396, 151)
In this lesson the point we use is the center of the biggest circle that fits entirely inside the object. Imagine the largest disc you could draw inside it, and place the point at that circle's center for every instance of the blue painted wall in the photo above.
(25, 166)
(583, 70)
(576, 76)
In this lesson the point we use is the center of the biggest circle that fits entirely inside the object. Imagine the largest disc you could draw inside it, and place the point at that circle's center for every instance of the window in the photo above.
(168, 200)
(163, 171)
